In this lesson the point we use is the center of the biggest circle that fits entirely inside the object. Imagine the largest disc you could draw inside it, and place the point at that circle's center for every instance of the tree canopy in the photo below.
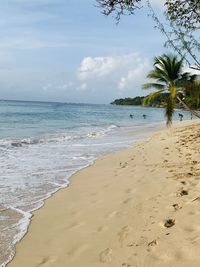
(185, 13)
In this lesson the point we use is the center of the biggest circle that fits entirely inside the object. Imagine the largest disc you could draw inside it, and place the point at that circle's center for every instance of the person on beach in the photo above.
(180, 116)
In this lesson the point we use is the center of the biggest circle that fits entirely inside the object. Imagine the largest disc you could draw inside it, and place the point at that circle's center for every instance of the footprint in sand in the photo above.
(152, 244)
(182, 192)
(176, 206)
(128, 200)
(183, 182)
(126, 264)
(111, 215)
(123, 233)
(169, 223)
(75, 225)
(106, 255)
(46, 261)
(123, 165)
(129, 191)
(102, 229)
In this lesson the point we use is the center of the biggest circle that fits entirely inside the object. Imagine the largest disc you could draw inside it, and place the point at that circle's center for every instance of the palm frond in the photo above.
(150, 98)
(158, 86)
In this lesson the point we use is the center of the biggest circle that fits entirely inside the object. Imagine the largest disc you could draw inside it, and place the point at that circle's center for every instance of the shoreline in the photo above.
(24, 223)
(40, 216)
(31, 213)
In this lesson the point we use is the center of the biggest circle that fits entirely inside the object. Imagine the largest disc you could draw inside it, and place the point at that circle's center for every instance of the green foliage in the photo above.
(155, 99)
(119, 7)
(192, 95)
(129, 101)
(186, 13)
(152, 100)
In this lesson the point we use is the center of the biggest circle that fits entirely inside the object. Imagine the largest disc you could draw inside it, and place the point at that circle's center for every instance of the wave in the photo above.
(56, 137)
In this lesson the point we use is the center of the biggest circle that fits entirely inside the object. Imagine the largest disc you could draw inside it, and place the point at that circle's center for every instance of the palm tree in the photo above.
(169, 78)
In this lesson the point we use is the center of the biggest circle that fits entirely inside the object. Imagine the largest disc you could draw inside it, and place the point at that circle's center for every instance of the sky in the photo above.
(67, 51)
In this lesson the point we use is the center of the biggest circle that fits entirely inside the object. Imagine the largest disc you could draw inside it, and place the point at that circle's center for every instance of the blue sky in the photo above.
(66, 50)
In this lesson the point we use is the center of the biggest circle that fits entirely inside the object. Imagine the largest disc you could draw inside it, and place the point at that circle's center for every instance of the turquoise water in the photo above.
(25, 119)
(43, 144)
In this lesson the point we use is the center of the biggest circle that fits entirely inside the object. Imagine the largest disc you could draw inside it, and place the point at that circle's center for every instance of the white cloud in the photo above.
(191, 71)
(96, 67)
(134, 75)
(100, 67)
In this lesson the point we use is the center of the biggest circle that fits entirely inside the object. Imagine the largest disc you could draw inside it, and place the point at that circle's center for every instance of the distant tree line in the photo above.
(158, 101)
(136, 101)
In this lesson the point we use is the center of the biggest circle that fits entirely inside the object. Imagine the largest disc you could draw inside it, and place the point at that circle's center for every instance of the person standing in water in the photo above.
(144, 116)
(180, 116)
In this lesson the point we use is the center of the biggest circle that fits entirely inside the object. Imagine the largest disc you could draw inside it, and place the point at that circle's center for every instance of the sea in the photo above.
(43, 143)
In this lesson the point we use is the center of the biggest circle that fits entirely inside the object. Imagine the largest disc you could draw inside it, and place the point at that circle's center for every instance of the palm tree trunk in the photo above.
(195, 113)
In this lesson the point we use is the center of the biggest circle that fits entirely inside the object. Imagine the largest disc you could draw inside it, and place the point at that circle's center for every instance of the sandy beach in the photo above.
(135, 208)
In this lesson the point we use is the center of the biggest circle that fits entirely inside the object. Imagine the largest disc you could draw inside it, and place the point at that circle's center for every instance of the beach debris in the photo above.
(194, 162)
(190, 173)
(176, 206)
(196, 198)
(152, 243)
(169, 223)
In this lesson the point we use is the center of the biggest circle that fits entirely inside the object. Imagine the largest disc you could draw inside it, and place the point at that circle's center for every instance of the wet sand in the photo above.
(135, 208)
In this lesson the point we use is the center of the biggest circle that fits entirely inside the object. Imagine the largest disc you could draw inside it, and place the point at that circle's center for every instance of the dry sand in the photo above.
(135, 208)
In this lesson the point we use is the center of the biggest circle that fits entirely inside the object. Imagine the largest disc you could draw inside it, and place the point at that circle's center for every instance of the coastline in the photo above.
(111, 214)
